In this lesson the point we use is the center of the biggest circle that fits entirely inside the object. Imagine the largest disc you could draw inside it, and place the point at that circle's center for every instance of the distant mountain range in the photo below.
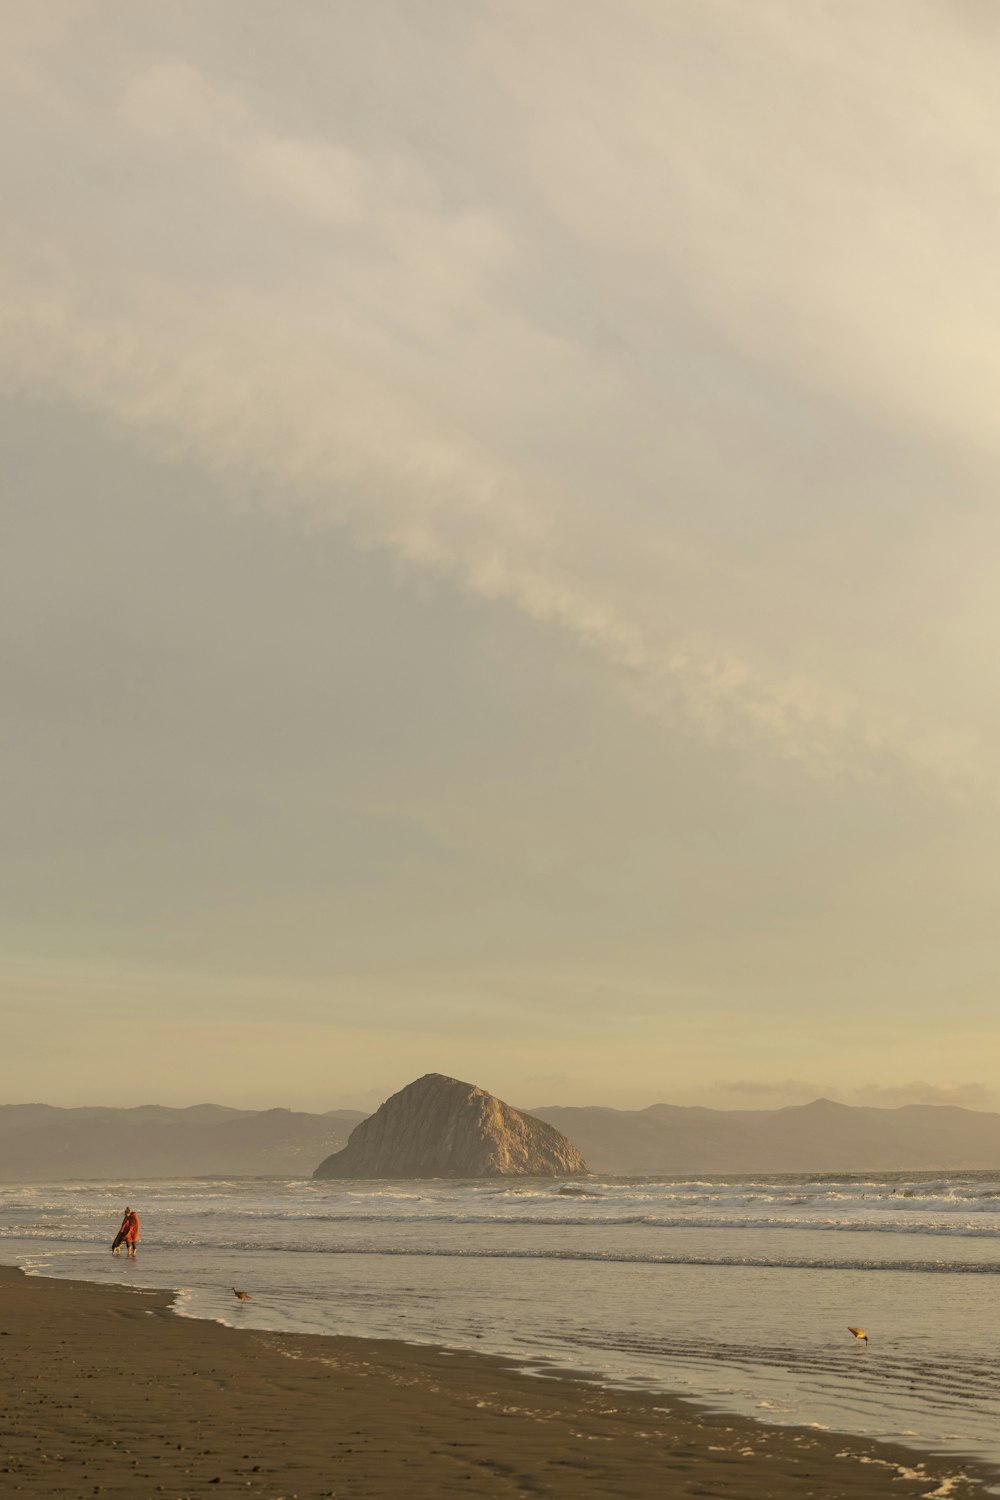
(39, 1142)
(818, 1137)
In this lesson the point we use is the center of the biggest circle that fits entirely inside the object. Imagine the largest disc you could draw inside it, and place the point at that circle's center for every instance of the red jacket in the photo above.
(130, 1227)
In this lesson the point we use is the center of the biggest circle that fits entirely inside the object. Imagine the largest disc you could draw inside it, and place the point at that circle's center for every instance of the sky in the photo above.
(499, 566)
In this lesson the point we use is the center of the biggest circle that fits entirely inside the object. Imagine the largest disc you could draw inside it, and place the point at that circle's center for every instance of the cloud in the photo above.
(176, 104)
(375, 341)
(814, 179)
(244, 388)
(173, 101)
(319, 179)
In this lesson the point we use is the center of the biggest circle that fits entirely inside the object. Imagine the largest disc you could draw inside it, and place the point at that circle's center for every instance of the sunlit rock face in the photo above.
(440, 1127)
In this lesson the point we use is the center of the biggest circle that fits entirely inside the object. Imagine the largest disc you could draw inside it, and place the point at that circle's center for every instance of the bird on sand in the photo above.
(859, 1334)
(241, 1296)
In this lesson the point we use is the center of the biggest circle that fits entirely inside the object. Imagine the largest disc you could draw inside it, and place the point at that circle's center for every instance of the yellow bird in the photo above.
(242, 1296)
(859, 1334)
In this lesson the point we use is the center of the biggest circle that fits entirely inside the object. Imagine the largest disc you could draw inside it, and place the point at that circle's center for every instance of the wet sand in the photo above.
(103, 1391)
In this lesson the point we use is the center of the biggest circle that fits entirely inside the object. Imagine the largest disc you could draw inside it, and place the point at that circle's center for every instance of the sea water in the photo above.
(736, 1291)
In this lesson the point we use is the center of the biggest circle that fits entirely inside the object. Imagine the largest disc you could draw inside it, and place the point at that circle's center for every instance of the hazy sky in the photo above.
(500, 557)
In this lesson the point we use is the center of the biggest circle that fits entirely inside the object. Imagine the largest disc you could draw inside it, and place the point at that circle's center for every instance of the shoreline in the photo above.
(107, 1391)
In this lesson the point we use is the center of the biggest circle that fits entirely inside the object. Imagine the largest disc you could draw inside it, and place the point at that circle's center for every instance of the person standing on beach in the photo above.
(128, 1234)
(132, 1232)
(119, 1239)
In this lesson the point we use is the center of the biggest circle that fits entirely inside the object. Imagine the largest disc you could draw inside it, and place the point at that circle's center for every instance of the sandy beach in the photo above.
(107, 1392)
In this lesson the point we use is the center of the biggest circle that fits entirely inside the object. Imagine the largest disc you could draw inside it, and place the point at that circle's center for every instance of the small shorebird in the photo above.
(241, 1296)
(859, 1333)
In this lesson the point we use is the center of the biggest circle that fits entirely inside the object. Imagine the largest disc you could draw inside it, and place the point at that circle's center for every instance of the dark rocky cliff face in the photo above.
(439, 1127)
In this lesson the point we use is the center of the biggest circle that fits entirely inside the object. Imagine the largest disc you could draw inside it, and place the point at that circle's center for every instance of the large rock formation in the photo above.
(439, 1127)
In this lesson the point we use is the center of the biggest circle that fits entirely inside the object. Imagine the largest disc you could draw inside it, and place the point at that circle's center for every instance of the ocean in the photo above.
(734, 1291)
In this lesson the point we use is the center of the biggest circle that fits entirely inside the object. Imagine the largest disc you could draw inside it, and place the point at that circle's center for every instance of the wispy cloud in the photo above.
(364, 334)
